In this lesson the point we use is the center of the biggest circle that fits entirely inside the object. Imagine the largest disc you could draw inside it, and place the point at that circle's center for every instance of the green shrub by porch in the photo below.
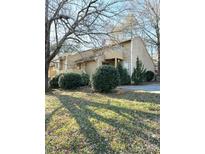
(53, 83)
(149, 76)
(85, 79)
(125, 78)
(70, 81)
(139, 72)
(105, 79)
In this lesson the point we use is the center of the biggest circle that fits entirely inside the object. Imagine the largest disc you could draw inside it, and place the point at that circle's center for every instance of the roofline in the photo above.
(96, 49)
(107, 46)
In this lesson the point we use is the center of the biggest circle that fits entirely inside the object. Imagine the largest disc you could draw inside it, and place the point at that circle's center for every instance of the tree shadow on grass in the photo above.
(98, 142)
(50, 115)
(136, 96)
(123, 126)
(79, 108)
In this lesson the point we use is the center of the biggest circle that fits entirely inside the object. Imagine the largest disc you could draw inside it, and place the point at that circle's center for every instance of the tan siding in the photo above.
(139, 50)
(90, 67)
(51, 72)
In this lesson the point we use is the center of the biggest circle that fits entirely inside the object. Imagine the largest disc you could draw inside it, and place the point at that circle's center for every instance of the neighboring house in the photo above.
(87, 61)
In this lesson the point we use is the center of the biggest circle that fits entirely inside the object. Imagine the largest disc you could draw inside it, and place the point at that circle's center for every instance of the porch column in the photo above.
(99, 61)
(115, 62)
(83, 67)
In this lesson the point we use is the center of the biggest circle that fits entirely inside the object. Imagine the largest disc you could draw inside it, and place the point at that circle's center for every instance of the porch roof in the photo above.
(86, 59)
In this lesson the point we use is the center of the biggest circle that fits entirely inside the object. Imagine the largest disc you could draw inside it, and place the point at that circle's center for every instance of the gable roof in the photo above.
(100, 48)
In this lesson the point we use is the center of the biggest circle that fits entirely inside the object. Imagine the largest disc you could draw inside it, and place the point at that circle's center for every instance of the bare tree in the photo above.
(147, 14)
(75, 21)
(142, 19)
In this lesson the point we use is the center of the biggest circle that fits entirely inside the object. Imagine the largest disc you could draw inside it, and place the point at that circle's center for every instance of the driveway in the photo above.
(153, 88)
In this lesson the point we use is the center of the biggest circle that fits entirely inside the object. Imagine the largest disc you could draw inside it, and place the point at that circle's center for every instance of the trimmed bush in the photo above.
(149, 75)
(53, 83)
(85, 79)
(105, 78)
(125, 78)
(138, 75)
(70, 81)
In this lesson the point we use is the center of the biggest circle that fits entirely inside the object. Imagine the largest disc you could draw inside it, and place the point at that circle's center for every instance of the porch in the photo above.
(112, 61)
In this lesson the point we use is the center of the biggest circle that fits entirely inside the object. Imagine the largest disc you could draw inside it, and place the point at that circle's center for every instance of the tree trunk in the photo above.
(46, 76)
(159, 62)
(158, 49)
(47, 53)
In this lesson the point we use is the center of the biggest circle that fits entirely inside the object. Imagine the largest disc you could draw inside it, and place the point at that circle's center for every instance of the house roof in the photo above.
(100, 48)
(107, 46)
(92, 58)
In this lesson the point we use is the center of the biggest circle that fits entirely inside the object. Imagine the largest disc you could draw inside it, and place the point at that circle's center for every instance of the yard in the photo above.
(119, 122)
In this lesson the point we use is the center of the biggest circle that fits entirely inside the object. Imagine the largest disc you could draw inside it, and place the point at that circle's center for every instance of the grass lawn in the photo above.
(85, 122)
